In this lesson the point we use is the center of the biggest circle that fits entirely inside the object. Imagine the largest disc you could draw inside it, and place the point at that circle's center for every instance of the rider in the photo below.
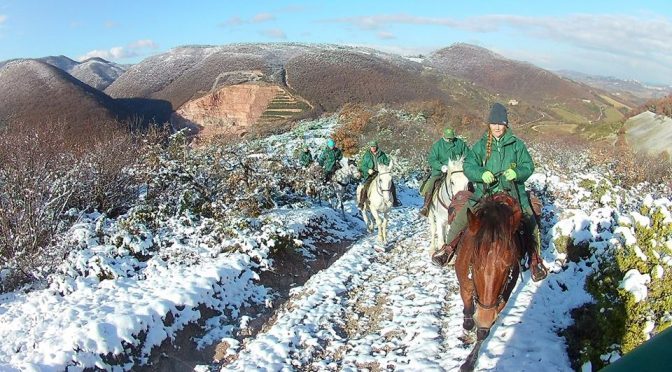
(369, 167)
(447, 148)
(306, 157)
(329, 159)
(498, 162)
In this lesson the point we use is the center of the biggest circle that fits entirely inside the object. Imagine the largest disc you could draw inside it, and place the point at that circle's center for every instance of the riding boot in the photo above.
(445, 254)
(395, 200)
(537, 268)
(362, 197)
(424, 211)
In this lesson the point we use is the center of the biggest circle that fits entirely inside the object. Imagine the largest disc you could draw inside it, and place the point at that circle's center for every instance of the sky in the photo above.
(625, 39)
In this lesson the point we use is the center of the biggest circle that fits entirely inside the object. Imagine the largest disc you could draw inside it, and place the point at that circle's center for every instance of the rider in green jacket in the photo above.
(329, 159)
(306, 157)
(498, 162)
(447, 148)
(369, 168)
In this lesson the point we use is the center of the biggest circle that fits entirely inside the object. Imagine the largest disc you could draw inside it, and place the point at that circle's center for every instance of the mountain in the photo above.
(521, 83)
(189, 72)
(282, 81)
(632, 90)
(97, 72)
(512, 79)
(32, 92)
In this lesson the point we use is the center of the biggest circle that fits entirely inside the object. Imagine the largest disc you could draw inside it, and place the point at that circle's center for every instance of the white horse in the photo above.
(454, 182)
(380, 201)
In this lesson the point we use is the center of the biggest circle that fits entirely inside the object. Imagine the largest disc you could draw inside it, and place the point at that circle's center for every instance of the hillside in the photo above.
(32, 92)
(520, 82)
(630, 91)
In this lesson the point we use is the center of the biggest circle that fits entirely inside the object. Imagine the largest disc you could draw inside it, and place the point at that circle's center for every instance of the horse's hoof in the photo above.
(468, 324)
(467, 338)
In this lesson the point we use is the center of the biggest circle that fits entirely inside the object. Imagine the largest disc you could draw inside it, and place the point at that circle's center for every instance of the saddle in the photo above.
(458, 202)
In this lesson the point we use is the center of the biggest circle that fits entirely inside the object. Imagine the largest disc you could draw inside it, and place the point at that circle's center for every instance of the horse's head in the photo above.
(455, 179)
(494, 249)
(384, 182)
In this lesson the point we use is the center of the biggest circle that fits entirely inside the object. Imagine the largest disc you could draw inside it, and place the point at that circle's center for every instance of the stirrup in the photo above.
(538, 271)
(443, 256)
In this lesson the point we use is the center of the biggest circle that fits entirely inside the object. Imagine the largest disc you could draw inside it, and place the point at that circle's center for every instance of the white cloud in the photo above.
(633, 40)
(134, 49)
(111, 24)
(3, 18)
(386, 35)
(274, 33)
(232, 22)
(263, 17)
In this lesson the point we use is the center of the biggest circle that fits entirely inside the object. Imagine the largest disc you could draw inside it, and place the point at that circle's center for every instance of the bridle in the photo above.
(500, 297)
(379, 188)
(444, 184)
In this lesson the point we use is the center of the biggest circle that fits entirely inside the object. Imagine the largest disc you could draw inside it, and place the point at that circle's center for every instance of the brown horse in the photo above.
(488, 261)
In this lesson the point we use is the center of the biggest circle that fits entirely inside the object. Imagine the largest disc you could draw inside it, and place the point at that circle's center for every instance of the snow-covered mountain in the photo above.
(34, 92)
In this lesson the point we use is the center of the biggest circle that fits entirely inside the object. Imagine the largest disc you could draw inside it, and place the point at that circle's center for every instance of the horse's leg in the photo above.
(379, 224)
(432, 230)
(384, 227)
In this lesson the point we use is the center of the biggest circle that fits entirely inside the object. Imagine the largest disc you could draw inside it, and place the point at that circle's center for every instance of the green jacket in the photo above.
(371, 161)
(507, 152)
(329, 157)
(306, 158)
(442, 151)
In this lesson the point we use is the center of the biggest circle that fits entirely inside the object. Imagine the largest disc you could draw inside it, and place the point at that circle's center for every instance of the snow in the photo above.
(376, 307)
(635, 283)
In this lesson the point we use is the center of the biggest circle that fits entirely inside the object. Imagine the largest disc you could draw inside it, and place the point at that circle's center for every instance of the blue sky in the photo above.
(626, 39)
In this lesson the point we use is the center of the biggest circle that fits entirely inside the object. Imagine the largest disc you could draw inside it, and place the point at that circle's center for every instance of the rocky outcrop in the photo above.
(649, 133)
(230, 110)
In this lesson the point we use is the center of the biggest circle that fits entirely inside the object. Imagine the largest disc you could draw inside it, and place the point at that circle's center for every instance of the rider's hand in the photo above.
(510, 174)
(370, 171)
(488, 177)
(444, 168)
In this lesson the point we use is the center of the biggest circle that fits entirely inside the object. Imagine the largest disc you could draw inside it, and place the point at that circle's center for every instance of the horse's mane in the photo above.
(498, 219)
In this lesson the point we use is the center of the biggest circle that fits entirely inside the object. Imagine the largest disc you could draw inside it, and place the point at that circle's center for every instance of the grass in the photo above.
(613, 102)
(611, 115)
(568, 116)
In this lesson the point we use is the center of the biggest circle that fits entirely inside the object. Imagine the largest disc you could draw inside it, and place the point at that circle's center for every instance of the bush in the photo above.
(45, 173)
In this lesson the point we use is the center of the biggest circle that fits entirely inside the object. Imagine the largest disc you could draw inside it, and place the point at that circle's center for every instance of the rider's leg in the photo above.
(443, 254)
(395, 200)
(536, 263)
(428, 191)
(363, 195)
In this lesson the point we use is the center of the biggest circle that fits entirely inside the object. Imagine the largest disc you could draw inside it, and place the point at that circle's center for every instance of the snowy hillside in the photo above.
(209, 222)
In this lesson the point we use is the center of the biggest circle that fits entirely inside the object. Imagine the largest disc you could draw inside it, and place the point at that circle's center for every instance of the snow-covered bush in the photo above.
(45, 173)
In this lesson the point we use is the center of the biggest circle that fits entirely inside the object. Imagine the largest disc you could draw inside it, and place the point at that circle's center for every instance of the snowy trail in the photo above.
(393, 310)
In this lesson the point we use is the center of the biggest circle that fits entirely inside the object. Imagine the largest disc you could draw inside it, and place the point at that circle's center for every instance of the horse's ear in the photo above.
(472, 221)
(391, 165)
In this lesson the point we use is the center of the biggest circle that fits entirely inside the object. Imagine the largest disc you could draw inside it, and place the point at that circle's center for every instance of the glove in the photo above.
(370, 171)
(444, 168)
(510, 174)
(488, 177)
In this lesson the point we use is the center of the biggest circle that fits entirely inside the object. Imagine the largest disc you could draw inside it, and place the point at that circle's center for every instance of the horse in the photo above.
(453, 182)
(379, 201)
(335, 189)
(488, 264)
